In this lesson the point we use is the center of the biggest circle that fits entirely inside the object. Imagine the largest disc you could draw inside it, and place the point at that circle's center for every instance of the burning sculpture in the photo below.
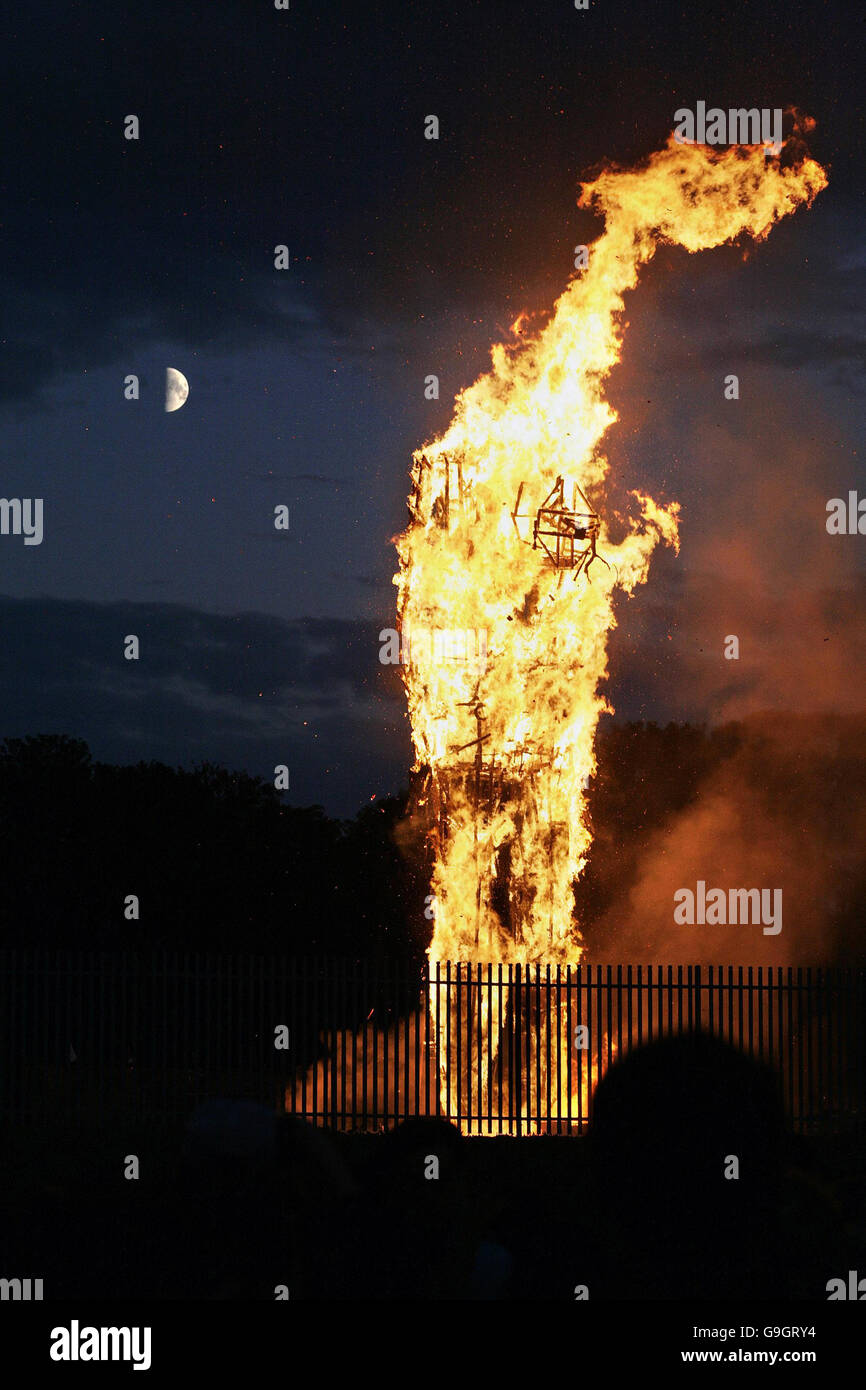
(566, 536)
(503, 756)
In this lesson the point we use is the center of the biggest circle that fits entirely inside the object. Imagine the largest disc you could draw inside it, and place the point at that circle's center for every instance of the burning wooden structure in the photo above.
(504, 756)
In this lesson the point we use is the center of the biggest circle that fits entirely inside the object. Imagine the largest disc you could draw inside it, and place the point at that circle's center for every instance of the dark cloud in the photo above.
(788, 349)
(321, 478)
(247, 691)
(373, 581)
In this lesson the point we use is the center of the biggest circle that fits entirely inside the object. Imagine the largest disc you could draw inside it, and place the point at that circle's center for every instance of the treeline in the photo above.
(218, 861)
(215, 858)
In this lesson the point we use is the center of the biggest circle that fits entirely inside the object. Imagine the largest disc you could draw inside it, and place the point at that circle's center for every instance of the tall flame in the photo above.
(504, 737)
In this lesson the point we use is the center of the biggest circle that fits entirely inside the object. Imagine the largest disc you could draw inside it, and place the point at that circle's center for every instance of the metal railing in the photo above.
(356, 1045)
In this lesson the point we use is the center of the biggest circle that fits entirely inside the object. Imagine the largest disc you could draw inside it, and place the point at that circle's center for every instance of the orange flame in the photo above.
(507, 744)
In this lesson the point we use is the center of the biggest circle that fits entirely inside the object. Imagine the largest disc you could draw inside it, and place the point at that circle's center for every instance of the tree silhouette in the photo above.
(219, 861)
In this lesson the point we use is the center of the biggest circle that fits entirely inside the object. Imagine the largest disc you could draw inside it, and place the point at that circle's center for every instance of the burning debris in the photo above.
(558, 528)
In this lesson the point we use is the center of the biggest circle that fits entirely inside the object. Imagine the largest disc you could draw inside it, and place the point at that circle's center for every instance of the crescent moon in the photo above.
(176, 388)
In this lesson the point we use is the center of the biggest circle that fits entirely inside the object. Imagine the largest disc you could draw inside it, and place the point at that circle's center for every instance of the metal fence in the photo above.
(356, 1045)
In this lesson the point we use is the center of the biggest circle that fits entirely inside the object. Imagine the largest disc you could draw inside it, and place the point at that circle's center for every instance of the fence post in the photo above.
(518, 1051)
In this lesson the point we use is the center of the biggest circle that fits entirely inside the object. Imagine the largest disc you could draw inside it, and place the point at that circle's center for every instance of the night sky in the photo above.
(408, 257)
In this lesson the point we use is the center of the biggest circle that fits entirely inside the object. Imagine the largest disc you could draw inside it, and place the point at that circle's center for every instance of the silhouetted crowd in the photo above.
(688, 1185)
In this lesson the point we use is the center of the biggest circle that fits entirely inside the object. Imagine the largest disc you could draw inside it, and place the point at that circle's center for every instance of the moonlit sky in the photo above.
(305, 127)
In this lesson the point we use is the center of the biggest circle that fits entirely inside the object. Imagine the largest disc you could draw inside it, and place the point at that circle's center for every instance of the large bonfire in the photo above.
(504, 723)
(513, 562)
